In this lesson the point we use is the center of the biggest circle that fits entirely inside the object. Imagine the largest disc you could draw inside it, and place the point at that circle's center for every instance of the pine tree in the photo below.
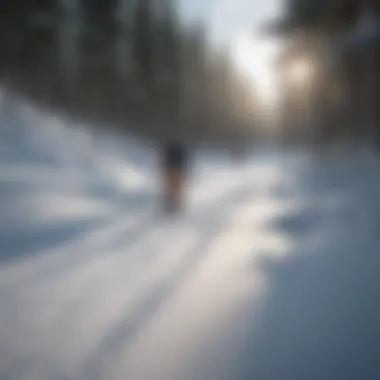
(143, 42)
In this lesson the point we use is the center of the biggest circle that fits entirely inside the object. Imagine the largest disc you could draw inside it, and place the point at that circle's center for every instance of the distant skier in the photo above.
(174, 175)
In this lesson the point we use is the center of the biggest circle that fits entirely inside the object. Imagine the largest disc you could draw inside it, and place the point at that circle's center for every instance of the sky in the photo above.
(236, 24)
(228, 19)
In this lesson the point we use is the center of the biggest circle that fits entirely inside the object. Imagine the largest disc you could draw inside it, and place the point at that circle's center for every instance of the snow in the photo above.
(270, 274)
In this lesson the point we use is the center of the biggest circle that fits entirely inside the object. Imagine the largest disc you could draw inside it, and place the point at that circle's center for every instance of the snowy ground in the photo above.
(271, 274)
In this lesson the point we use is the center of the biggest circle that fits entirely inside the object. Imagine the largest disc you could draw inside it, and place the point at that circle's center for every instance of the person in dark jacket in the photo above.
(174, 173)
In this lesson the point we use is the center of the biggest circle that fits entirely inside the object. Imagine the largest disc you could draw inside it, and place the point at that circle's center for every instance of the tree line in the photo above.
(345, 98)
(130, 63)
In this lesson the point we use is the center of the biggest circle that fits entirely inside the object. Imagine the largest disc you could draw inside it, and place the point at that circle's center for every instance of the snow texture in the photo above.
(271, 273)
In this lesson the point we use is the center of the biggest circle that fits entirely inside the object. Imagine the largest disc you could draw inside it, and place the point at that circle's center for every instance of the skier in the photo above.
(174, 174)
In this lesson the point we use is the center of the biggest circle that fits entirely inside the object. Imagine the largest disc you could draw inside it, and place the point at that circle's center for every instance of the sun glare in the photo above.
(254, 57)
(301, 72)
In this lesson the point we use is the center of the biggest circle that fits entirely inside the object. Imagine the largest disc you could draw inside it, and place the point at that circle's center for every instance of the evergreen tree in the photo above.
(143, 42)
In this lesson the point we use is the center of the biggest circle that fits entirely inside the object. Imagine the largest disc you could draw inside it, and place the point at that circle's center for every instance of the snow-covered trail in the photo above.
(270, 274)
(81, 300)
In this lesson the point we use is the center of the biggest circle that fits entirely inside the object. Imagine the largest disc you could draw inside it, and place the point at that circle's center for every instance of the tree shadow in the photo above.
(20, 239)
(16, 245)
